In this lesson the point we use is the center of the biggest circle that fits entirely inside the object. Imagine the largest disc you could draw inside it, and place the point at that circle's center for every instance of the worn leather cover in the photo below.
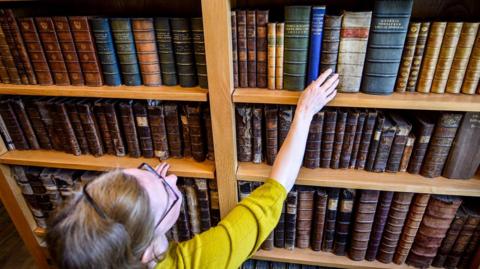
(62, 112)
(285, 117)
(111, 116)
(399, 142)
(209, 132)
(272, 133)
(362, 117)
(129, 131)
(349, 137)
(344, 219)
(99, 112)
(472, 75)
(7, 58)
(147, 54)
(304, 216)
(319, 215)
(407, 57)
(381, 215)
(243, 118)
(183, 47)
(156, 118)
(370, 120)
(199, 50)
(261, 43)
(71, 107)
(251, 48)
(312, 150)
(143, 129)
(279, 54)
(197, 137)
(291, 219)
(339, 137)
(37, 124)
(330, 219)
(233, 23)
(165, 51)
(242, 48)
(328, 137)
(418, 56)
(172, 123)
(90, 126)
(271, 54)
(257, 133)
(407, 153)
(20, 113)
(12, 124)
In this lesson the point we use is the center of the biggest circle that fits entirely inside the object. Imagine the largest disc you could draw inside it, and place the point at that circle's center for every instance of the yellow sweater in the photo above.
(236, 237)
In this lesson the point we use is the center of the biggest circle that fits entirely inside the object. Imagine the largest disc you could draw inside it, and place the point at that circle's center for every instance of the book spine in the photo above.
(358, 137)
(381, 215)
(328, 137)
(114, 127)
(285, 117)
(470, 255)
(330, 43)
(242, 48)
(399, 143)
(8, 60)
(23, 79)
(5, 135)
(297, 29)
(243, 117)
(199, 49)
(3, 72)
(194, 115)
(251, 48)
(348, 140)
(318, 224)
(183, 47)
(257, 133)
(204, 204)
(68, 129)
(407, 153)
(90, 127)
(106, 51)
(37, 125)
(271, 54)
(21, 115)
(279, 231)
(147, 54)
(183, 225)
(418, 56)
(261, 43)
(156, 119)
(82, 35)
(173, 124)
(291, 219)
(58, 132)
(315, 47)
(384, 148)
(407, 57)
(233, 22)
(330, 219)
(423, 131)
(312, 150)
(209, 132)
(214, 204)
(370, 120)
(244, 189)
(42, 107)
(375, 142)
(192, 202)
(339, 138)
(472, 75)
(304, 217)
(77, 126)
(99, 112)
(279, 55)
(126, 52)
(268, 244)
(187, 142)
(271, 133)
(130, 132)
(342, 230)
(165, 51)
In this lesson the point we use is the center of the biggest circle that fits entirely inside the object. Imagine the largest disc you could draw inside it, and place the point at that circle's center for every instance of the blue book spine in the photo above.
(106, 51)
(316, 32)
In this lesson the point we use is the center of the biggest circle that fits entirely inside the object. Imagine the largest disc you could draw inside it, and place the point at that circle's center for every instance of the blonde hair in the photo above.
(78, 237)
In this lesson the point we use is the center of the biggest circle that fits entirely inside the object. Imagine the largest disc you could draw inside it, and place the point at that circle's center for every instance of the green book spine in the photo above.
(199, 49)
(183, 47)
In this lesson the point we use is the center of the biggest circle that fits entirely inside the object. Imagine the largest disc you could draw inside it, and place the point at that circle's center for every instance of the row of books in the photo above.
(258, 264)
(147, 128)
(429, 143)
(79, 50)
(416, 228)
(365, 49)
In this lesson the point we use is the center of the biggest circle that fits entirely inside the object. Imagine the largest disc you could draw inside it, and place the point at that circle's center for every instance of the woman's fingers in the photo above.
(318, 82)
(327, 84)
(332, 88)
(162, 169)
(331, 96)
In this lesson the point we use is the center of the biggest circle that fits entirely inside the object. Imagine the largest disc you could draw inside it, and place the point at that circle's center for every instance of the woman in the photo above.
(120, 219)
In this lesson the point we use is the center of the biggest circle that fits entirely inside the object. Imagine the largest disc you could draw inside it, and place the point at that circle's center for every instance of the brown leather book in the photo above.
(407, 57)
(312, 150)
(90, 126)
(32, 42)
(330, 42)
(330, 219)
(423, 125)
(243, 118)
(21, 115)
(462, 56)
(233, 22)
(440, 144)
(328, 137)
(318, 224)
(3, 72)
(99, 111)
(385, 145)
(375, 142)
(172, 123)
(344, 218)
(412, 223)
(183, 225)
(7, 139)
(339, 137)
(362, 114)
(430, 57)
(144, 34)
(261, 24)
(279, 55)
(8, 60)
(194, 115)
(193, 206)
(445, 58)
(291, 219)
(50, 43)
(71, 106)
(304, 216)
(399, 142)
(214, 204)
(62, 112)
(381, 215)
(348, 140)
(37, 124)
(42, 106)
(113, 124)
(370, 120)
(129, 131)
(156, 118)
(257, 133)
(268, 244)
(472, 75)
(393, 229)
(242, 48)
(271, 129)
(418, 56)
(82, 35)
(363, 222)
(435, 223)
(470, 255)
(209, 132)
(464, 158)
(279, 231)
(58, 134)
(204, 203)
(23, 79)
(285, 117)
(187, 142)
(407, 153)
(252, 48)
(271, 54)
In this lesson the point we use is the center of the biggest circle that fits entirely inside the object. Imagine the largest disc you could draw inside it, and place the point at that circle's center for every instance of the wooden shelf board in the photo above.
(175, 93)
(320, 258)
(180, 167)
(407, 100)
(361, 179)
(40, 232)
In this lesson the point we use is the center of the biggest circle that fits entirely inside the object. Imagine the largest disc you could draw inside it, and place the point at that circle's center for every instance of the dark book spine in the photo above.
(384, 146)
(261, 43)
(172, 123)
(328, 138)
(99, 111)
(381, 215)
(209, 132)
(143, 129)
(182, 42)
(156, 119)
(234, 48)
(114, 127)
(257, 133)
(470, 255)
(38, 126)
(291, 219)
(70, 136)
(242, 48)
(314, 141)
(330, 219)
(126, 52)
(418, 56)
(271, 54)
(193, 205)
(304, 216)
(358, 137)
(344, 218)
(204, 204)
(42, 106)
(243, 117)
(77, 126)
(106, 51)
(8, 60)
(183, 224)
(22, 77)
(268, 244)
(279, 231)
(186, 140)
(90, 127)
(244, 189)
(165, 51)
(194, 115)
(199, 50)
(315, 47)
(5, 135)
(147, 54)
(58, 132)
(251, 48)
(214, 204)
(348, 140)
(19, 108)
(339, 138)
(130, 132)
(285, 117)
(399, 143)
(271, 130)
(318, 224)
(375, 142)
(279, 52)
(423, 126)
(367, 134)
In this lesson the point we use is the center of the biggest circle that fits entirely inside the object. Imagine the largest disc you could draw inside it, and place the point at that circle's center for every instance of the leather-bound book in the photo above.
(271, 133)
(42, 106)
(8, 60)
(262, 264)
(304, 216)
(330, 42)
(37, 124)
(352, 50)
(62, 112)
(433, 229)
(65, 38)
(412, 223)
(315, 46)
(204, 203)
(418, 56)
(328, 137)
(22, 77)
(248, 264)
(291, 219)
(192, 205)
(470, 254)
(156, 119)
(440, 144)
(214, 204)
(319, 215)
(314, 141)
(7, 139)
(278, 265)
(285, 118)
(430, 58)
(330, 219)
(393, 228)
(126, 52)
(106, 51)
(82, 35)
(279, 231)
(243, 118)
(297, 29)
(35, 49)
(261, 43)
(423, 125)
(199, 49)
(399, 142)
(349, 137)
(257, 133)
(147, 54)
(464, 157)
(173, 125)
(279, 55)
(362, 116)
(375, 142)
(362, 224)
(407, 152)
(242, 48)
(99, 112)
(339, 137)
(462, 56)
(472, 75)
(385, 145)
(363, 150)
(194, 115)
(21, 114)
(344, 218)
(3, 73)
(57, 126)
(71, 106)
(381, 215)
(251, 47)
(127, 118)
(244, 189)
(183, 47)
(233, 17)
(389, 28)
(183, 225)
(165, 51)
(113, 124)
(268, 243)
(445, 58)
(186, 140)
(209, 132)
(407, 57)
(90, 127)
(271, 56)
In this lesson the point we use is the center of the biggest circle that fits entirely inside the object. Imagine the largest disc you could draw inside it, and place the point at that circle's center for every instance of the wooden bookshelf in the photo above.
(173, 93)
(180, 167)
(361, 179)
(407, 100)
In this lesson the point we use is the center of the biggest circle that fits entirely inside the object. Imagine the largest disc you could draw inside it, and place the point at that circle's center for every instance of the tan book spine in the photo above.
(407, 57)
(445, 58)
(470, 81)
(279, 55)
(418, 56)
(430, 58)
(462, 55)
(271, 39)
(407, 152)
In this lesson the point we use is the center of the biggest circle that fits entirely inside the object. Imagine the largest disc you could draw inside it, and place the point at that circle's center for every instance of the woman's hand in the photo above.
(162, 170)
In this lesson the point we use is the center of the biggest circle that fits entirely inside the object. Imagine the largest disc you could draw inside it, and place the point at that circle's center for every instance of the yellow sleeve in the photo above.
(236, 237)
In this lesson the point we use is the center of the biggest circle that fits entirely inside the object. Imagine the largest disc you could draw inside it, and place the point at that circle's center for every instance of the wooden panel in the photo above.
(361, 179)
(43, 158)
(175, 93)
(432, 101)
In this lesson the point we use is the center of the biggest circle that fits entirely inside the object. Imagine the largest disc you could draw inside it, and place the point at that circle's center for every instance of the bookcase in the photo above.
(222, 97)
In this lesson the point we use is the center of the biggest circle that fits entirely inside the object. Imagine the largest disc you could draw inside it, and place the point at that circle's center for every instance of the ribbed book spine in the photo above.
(106, 51)
(279, 53)
(234, 48)
(330, 219)
(423, 125)
(318, 224)
(330, 42)
(407, 153)
(339, 137)
(242, 48)
(209, 132)
(472, 75)
(8, 60)
(304, 216)
(13, 48)
(285, 117)
(384, 146)
(192, 205)
(68, 128)
(90, 126)
(204, 203)
(375, 142)
(279, 231)
(251, 48)
(37, 124)
(156, 119)
(257, 133)
(328, 137)
(399, 142)
(418, 56)
(194, 115)
(271, 129)
(271, 54)
(174, 133)
(165, 51)
(243, 118)
(381, 215)
(314, 142)
(315, 47)
(182, 42)
(370, 120)
(199, 49)
(130, 132)
(262, 50)
(344, 218)
(407, 57)
(362, 114)
(348, 140)
(143, 129)
(214, 204)
(147, 54)
(291, 219)
(19, 108)
(113, 123)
